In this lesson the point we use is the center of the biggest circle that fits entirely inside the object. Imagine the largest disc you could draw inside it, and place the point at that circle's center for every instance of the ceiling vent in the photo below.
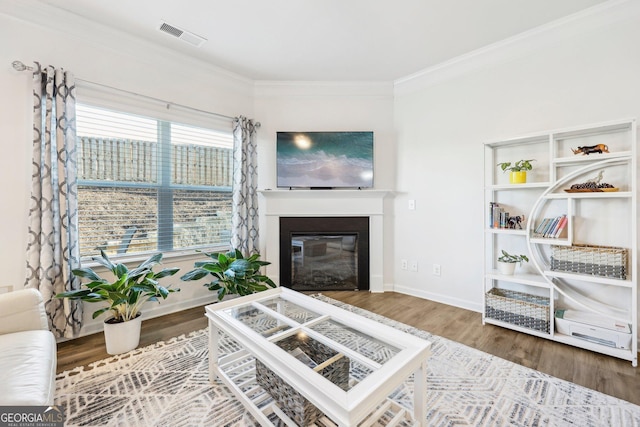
(186, 36)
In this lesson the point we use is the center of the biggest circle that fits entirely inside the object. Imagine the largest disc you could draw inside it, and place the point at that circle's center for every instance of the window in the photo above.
(146, 184)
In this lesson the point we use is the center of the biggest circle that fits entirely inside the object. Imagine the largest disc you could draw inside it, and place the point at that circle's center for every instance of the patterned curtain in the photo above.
(52, 250)
(245, 183)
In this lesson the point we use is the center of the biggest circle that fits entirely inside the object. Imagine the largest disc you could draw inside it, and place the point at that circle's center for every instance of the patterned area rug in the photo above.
(167, 384)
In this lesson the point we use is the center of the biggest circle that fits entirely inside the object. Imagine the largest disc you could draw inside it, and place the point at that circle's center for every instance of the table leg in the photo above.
(420, 394)
(214, 337)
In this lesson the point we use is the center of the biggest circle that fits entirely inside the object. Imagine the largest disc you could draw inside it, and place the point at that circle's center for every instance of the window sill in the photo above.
(175, 256)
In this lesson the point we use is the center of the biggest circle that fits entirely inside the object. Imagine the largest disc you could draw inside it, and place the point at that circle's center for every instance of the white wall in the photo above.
(313, 106)
(98, 55)
(429, 129)
(579, 74)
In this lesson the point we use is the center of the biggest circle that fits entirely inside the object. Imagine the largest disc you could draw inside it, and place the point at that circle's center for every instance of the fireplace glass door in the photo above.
(324, 261)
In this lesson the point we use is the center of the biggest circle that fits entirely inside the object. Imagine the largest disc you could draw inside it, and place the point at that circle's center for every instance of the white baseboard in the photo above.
(444, 299)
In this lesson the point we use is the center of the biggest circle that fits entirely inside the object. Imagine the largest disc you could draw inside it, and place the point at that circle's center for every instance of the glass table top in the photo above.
(357, 341)
(340, 353)
(291, 310)
(259, 321)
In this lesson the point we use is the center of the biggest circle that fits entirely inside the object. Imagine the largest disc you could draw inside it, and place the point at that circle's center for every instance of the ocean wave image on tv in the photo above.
(325, 159)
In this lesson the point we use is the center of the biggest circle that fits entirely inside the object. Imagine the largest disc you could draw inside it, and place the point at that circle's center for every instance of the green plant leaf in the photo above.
(520, 165)
(222, 259)
(99, 312)
(195, 274)
(87, 273)
(104, 260)
(166, 273)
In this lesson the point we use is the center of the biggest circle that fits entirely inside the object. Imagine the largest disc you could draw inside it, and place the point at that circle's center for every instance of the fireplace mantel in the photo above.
(300, 203)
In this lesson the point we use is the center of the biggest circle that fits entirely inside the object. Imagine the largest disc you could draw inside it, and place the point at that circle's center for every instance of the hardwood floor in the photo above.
(603, 373)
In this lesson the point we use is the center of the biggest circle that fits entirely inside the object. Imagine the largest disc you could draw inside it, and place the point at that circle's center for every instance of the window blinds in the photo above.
(147, 184)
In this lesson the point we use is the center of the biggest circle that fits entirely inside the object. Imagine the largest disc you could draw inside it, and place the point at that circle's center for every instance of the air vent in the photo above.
(186, 36)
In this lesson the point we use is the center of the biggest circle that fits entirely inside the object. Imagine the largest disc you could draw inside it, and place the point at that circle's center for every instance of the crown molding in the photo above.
(276, 88)
(579, 23)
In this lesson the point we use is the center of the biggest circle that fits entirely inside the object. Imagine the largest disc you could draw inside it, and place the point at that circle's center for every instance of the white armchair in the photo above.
(27, 351)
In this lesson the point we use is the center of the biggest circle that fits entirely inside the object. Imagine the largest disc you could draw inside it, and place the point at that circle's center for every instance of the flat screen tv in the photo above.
(324, 159)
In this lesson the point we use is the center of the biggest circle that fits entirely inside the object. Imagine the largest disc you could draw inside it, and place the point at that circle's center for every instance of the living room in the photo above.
(429, 126)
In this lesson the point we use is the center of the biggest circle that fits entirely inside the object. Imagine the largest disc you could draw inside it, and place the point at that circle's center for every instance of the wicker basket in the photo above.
(292, 403)
(604, 261)
(518, 308)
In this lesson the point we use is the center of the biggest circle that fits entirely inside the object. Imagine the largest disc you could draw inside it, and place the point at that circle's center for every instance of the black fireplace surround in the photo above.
(358, 227)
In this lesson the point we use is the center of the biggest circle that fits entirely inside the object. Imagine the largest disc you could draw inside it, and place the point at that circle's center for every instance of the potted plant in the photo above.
(124, 294)
(518, 172)
(507, 262)
(233, 273)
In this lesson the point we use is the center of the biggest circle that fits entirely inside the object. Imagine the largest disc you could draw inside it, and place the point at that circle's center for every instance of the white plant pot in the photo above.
(122, 337)
(506, 268)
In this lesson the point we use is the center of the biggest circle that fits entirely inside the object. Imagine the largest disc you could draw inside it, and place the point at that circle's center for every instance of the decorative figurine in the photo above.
(593, 184)
(597, 179)
(600, 148)
(515, 221)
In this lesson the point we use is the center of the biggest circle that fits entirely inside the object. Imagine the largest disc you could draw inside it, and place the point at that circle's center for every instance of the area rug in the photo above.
(167, 384)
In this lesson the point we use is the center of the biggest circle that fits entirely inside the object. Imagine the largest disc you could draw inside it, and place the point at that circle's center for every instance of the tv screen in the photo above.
(325, 159)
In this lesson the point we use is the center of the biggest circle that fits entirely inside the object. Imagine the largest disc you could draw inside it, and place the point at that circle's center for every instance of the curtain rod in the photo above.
(20, 66)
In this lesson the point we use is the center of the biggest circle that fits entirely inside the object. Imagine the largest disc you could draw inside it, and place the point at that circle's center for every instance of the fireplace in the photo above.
(324, 253)
(305, 204)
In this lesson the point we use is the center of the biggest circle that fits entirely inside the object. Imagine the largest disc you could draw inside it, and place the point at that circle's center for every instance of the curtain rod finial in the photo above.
(19, 66)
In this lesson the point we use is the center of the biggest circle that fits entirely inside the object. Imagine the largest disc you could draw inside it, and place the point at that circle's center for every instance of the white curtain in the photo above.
(52, 250)
(245, 184)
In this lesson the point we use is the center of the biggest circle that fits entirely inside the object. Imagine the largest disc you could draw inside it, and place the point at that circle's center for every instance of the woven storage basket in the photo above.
(518, 308)
(605, 261)
(292, 403)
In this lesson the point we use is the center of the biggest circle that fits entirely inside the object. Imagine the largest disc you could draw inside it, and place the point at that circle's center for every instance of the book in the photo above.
(541, 226)
(492, 212)
(560, 227)
(504, 219)
(495, 212)
(549, 227)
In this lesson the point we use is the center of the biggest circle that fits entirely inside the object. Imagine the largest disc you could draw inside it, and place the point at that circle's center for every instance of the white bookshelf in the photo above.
(595, 221)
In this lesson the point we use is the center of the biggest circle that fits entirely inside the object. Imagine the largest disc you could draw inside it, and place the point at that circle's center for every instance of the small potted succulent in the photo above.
(507, 262)
(518, 171)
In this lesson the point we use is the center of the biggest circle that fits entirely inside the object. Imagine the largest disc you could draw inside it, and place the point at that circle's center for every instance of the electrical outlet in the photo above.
(414, 265)
(404, 264)
(412, 205)
(436, 269)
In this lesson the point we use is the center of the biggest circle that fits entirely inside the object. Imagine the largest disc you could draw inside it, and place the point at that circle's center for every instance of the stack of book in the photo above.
(550, 227)
(498, 218)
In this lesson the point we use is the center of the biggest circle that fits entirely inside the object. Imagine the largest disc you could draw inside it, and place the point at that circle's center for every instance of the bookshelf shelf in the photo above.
(594, 195)
(511, 231)
(593, 279)
(520, 187)
(520, 278)
(585, 159)
(599, 219)
(544, 241)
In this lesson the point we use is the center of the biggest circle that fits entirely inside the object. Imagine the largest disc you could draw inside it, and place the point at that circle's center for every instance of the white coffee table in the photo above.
(279, 330)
